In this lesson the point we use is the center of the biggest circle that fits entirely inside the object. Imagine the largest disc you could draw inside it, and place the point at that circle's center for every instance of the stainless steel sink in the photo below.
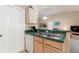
(56, 36)
(39, 34)
(53, 36)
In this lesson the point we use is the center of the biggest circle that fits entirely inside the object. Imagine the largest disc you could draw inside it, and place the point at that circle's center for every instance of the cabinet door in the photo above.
(49, 49)
(38, 47)
(31, 15)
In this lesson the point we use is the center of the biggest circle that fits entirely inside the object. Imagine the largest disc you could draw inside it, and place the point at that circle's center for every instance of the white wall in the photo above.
(14, 25)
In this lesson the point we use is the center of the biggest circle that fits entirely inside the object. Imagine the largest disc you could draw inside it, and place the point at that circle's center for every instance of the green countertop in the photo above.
(52, 39)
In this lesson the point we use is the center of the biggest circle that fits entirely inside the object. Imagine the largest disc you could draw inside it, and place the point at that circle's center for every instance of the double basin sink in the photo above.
(53, 35)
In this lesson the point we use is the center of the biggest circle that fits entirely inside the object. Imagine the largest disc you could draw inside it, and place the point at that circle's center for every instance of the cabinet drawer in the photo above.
(38, 39)
(53, 43)
(49, 49)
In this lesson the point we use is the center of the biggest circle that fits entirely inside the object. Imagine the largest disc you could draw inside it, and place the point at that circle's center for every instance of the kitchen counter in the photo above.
(61, 40)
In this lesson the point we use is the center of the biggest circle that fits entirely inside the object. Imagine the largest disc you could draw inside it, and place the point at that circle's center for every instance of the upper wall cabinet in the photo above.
(31, 15)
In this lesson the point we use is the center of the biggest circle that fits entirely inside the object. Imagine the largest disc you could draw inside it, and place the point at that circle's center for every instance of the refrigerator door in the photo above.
(75, 44)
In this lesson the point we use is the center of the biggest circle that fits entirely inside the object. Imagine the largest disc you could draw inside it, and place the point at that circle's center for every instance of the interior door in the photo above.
(11, 29)
(3, 40)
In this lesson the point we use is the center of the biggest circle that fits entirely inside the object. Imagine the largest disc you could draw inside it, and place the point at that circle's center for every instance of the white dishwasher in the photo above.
(29, 43)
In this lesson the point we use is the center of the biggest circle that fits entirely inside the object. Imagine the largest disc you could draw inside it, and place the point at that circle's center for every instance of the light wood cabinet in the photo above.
(53, 44)
(49, 49)
(52, 47)
(42, 45)
(38, 45)
(31, 15)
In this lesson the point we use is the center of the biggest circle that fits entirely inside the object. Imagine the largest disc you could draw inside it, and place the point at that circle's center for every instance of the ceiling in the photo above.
(54, 9)
(48, 10)
(21, 6)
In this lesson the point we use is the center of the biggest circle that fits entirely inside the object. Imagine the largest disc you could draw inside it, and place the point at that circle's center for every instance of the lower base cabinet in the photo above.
(38, 45)
(41, 45)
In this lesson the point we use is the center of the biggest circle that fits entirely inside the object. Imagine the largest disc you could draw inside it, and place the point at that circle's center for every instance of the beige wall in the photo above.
(66, 18)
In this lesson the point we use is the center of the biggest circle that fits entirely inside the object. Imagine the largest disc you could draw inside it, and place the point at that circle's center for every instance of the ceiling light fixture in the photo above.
(44, 18)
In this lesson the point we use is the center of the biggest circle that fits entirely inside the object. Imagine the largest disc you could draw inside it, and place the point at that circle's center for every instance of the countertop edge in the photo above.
(47, 38)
